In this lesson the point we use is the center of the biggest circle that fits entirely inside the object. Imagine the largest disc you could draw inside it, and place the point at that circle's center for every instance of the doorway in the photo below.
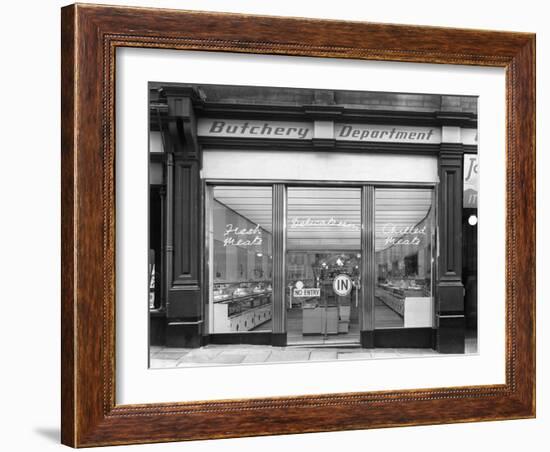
(323, 265)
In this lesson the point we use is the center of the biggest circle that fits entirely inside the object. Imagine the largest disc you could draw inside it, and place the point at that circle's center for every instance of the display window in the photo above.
(327, 231)
(404, 261)
(239, 233)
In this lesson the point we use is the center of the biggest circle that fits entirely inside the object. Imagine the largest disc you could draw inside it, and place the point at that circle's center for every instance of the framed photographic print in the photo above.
(281, 225)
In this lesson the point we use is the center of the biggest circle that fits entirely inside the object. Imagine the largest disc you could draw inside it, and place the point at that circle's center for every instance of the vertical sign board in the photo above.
(471, 174)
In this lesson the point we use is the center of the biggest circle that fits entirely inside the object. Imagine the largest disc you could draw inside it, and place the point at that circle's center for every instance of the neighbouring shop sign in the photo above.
(235, 236)
(237, 128)
(469, 136)
(471, 176)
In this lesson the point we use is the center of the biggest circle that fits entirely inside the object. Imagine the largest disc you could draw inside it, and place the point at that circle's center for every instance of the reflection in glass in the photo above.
(404, 233)
(240, 265)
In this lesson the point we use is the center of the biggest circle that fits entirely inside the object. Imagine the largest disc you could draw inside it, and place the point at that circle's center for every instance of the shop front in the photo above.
(295, 217)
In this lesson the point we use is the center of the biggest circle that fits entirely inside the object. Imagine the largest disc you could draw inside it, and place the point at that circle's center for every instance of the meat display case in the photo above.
(410, 299)
(241, 306)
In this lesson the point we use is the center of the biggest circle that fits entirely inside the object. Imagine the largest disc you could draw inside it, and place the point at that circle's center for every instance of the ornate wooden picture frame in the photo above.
(90, 38)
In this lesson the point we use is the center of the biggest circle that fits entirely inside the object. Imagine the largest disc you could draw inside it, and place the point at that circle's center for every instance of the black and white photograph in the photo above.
(297, 225)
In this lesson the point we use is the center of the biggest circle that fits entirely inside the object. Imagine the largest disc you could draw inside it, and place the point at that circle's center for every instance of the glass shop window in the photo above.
(404, 262)
(239, 229)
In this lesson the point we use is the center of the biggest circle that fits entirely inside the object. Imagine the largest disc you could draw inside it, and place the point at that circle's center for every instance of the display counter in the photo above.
(241, 306)
(410, 302)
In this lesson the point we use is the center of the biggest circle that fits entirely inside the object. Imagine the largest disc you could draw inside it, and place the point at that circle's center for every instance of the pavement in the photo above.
(215, 355)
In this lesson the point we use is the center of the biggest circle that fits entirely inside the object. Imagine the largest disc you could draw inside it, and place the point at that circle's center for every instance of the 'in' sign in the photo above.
(342, 285)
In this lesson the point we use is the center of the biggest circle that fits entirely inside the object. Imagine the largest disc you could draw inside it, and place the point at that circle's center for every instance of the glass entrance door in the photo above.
(323, 265)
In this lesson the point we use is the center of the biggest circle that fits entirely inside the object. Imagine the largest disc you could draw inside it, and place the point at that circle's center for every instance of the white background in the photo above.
(29, 389)
(135, 67)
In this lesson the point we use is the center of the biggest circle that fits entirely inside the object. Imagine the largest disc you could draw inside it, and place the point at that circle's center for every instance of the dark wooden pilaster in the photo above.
(184, 304)
(162, 269)
(450, 290)
(368, 269)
